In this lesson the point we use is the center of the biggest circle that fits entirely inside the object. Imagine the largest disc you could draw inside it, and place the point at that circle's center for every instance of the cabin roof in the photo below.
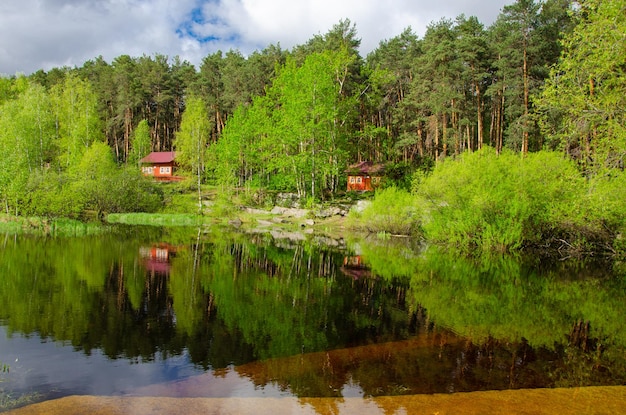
(365, 167)
(159, 157)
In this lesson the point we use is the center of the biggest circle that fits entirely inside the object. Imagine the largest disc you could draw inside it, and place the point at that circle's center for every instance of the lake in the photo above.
(181, 312)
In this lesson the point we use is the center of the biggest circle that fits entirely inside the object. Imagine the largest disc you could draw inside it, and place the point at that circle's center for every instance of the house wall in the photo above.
(359, 183)
(163, 170)
(158, 170)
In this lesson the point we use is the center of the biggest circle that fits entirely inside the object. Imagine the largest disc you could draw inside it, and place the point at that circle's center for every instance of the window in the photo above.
(351, 179)
(165, 170)
(359, 180)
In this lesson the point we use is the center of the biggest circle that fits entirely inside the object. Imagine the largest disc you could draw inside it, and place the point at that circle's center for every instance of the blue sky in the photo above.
(42, 34)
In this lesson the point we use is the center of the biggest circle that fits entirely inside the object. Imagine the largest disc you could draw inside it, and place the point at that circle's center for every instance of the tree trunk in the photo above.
(479, 116)
(444, 134)
(526, 102)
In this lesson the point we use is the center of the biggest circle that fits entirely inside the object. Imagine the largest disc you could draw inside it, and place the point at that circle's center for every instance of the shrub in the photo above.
(501, 202)
(392, 210)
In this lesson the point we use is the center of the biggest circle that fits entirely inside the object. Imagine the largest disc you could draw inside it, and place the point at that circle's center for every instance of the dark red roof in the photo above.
(365, 167)
(159, 157)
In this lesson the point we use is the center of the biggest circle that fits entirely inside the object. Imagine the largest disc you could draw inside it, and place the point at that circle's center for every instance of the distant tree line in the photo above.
(545, 74)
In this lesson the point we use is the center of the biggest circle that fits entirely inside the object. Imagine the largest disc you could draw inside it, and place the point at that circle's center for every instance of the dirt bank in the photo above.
(589, 400)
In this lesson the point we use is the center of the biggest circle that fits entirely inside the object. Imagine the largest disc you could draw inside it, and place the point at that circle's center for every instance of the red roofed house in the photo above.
(160, 165)
(364, 176)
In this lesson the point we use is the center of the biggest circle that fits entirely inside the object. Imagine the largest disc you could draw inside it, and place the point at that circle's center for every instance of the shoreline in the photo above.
(565, 401)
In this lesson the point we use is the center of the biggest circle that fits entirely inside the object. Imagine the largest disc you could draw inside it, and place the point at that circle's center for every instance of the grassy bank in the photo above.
(158, 219)
(45, 226)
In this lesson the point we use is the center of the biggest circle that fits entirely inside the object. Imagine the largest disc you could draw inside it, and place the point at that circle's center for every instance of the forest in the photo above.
(462, 118)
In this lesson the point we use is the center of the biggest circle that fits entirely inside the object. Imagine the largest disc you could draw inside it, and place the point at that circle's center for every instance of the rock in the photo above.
(331, 211)
(289, 212)
(289, 200)
(278, 210)
(253, 211)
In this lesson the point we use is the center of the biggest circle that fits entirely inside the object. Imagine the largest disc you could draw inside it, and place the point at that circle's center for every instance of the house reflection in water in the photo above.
(157, 257)
(354, 267)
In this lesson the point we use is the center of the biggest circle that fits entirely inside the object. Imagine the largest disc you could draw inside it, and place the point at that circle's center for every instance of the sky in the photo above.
(44, 34)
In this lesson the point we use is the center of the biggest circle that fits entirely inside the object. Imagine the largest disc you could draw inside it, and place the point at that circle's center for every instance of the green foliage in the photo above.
(392, 210)
(582, 106)
(55, 164)
(52, 195)
(502, 202)
(607, 206)
(193, 137)
(292, 121)
(76, 112)
(140, 143)
(398, 175)
(192, 141)
(174, 202)
(26, 136)
(293, 132)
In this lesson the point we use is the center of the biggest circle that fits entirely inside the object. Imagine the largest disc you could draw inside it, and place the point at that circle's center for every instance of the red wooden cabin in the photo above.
(160, 165)
(364, 176)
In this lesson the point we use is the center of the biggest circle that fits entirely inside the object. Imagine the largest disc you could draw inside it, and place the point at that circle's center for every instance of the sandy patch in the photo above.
(588, 400)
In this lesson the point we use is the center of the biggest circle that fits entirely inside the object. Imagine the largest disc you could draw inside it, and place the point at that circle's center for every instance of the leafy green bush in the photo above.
(50, 195)
(392, 210)
(96, 184)
(501, 202)
(607, 207)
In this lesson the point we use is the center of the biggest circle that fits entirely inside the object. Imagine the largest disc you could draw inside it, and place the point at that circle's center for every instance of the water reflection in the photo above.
(157, 257)
(377, 318)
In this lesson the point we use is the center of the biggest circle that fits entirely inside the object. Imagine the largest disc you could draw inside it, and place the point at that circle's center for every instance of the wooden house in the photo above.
(364, 176)
(160, 165)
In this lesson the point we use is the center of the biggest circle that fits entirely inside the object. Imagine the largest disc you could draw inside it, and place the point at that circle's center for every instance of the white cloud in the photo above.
(41, 34)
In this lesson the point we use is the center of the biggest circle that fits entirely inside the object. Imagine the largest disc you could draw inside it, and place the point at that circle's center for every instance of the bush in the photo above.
(50, 196)
(501, 202)
(607, 207)
(392, 210)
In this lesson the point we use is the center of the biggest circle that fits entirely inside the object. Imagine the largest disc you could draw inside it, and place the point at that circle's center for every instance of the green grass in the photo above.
(158, 219)
(52, 227)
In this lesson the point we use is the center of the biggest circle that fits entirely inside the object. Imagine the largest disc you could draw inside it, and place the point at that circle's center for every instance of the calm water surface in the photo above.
(187, 312)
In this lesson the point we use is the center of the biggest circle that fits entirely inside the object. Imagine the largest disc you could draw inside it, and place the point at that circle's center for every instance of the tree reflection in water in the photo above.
(383, 316)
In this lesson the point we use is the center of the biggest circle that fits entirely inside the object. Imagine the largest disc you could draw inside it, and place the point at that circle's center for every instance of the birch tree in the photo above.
(192, 140)
(582, 106)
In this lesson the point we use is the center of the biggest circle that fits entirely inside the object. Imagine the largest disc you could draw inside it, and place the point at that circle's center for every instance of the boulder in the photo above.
(289, 212)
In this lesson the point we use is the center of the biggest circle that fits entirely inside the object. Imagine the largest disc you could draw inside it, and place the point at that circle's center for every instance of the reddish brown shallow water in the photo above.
(588, 400)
